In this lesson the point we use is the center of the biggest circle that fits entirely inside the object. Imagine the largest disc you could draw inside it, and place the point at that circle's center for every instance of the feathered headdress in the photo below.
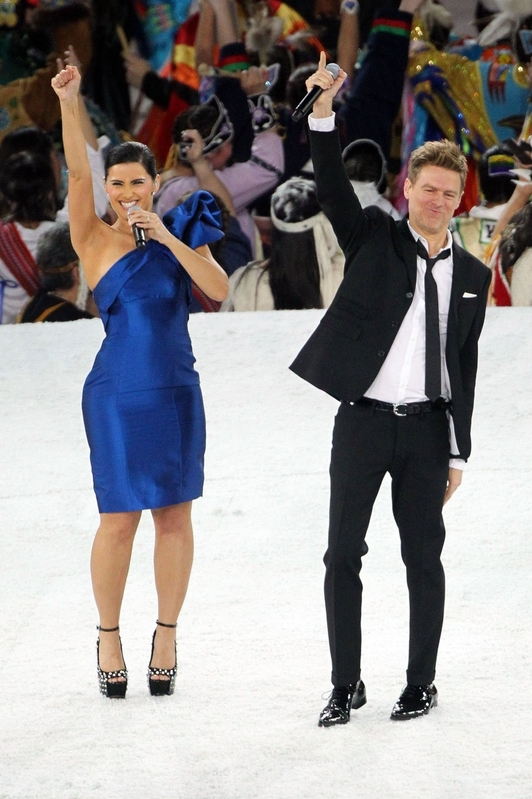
(435, 14)
(264, 31)
(506, 22)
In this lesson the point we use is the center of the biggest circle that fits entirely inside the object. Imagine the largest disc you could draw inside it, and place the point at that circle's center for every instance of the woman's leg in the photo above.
(174, 549)
(110, 558)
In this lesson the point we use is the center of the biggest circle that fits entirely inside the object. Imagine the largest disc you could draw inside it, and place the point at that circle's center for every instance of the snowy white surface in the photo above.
(252, 646)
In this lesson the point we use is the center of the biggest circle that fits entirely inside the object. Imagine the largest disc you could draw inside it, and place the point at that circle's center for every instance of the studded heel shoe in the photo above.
(164, 686)
(113, 684)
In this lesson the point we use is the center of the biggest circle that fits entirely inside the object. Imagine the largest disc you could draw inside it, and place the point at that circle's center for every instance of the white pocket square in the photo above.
(467, 294)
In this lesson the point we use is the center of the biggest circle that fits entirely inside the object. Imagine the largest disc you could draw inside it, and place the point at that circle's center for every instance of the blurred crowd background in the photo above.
(211, 85)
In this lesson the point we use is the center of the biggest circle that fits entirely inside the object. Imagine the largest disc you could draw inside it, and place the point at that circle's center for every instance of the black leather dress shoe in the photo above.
(340, 703)
(416, 700)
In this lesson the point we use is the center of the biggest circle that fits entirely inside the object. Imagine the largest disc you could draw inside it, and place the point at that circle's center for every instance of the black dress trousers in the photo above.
(414, 449)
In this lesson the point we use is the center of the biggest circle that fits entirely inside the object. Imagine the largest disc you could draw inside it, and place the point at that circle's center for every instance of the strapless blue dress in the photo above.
(142, 403)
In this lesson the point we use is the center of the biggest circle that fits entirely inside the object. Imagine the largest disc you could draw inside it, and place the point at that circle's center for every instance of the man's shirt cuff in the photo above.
(322, 124)
(457, 463)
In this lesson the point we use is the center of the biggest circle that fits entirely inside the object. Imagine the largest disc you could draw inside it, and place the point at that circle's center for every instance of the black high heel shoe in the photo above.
(161, 687)
(113, 684)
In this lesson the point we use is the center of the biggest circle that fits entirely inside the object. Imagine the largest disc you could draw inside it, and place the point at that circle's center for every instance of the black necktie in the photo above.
(432, 326)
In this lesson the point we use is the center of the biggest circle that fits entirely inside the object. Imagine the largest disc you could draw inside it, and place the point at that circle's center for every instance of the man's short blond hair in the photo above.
(442, 153)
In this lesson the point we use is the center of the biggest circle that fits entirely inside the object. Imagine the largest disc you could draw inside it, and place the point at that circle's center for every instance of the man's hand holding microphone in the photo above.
(322, 88)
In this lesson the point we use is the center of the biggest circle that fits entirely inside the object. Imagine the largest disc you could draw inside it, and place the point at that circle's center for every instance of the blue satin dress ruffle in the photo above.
(142, 403)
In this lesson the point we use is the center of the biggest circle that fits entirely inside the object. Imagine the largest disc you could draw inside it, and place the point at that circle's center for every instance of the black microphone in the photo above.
(310, 98)
(139, 233)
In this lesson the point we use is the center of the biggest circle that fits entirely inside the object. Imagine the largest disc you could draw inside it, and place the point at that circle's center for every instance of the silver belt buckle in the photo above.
(396, 409)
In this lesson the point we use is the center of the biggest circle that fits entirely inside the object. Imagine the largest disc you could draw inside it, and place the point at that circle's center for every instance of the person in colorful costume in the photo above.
(450, 96)
(511, 236)
(244, 181)
(474, 231)
(515, 16)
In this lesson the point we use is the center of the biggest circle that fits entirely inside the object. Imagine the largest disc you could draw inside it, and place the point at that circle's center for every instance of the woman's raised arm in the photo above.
(83, 219)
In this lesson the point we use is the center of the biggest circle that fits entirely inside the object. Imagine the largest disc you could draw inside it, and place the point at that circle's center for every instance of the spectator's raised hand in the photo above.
(71, 58)
(195, 150)
(136, 68)
(227, 29)
(253, 80)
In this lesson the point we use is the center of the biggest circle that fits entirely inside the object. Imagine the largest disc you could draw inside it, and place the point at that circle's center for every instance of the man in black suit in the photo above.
(398, 347)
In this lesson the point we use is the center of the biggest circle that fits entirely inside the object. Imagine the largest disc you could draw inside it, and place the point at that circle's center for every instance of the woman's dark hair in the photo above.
(26, 139)
(54, 254)
(27, 183)
(294, 271)
(131, 152)
(293, 266)
(295, 200)
(198, 117)
(516, 237)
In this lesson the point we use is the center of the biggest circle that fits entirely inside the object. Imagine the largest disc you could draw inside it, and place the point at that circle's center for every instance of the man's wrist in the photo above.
(319, 112)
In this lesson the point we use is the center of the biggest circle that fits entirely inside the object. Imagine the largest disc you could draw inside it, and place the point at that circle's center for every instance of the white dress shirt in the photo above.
(401, 378)
(402, 375)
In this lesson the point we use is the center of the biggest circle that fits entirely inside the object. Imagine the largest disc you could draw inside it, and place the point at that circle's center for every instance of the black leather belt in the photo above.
(404, 408)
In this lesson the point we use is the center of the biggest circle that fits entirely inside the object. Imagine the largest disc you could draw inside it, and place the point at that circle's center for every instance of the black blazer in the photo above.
(347, 350)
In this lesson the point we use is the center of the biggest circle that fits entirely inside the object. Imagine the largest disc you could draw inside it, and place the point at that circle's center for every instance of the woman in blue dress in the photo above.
(142, 403)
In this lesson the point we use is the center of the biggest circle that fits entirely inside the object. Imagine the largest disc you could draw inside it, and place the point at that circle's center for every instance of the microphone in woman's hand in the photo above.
(310, 98)
(139, 233)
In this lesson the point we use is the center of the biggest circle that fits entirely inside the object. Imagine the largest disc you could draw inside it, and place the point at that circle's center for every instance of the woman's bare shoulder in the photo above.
(101, 249)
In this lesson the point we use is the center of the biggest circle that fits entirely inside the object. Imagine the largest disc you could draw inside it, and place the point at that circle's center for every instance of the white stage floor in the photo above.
(252, 646)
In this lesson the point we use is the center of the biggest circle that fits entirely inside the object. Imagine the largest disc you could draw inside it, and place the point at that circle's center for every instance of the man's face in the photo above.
(432, 199)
